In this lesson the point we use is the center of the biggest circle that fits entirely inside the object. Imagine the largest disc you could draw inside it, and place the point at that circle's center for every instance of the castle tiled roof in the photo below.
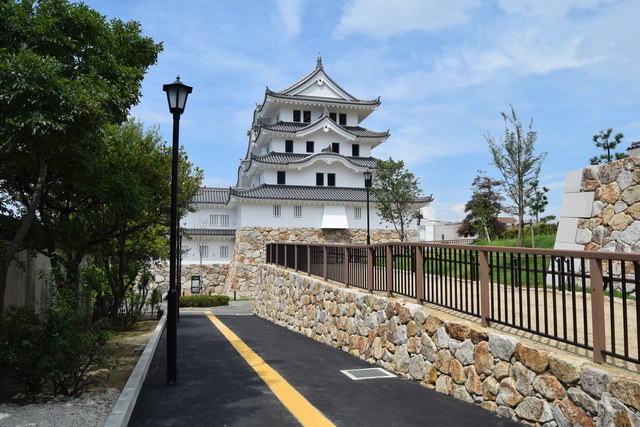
(295, 158)
(322, 99)
(210, 232)
(293, 127)
(212, 195)
(309, 193)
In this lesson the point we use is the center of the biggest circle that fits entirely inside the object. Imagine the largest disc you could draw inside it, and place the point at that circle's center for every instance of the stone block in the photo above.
(626, 390)
(502, 346)
(567, 414)
(566, 370)
(508, 394)
(534, 409)
(577, 205)
(567, 228)
(533, 358)
(594, 381)
(483, 359)
(549, 387)
(573, 180)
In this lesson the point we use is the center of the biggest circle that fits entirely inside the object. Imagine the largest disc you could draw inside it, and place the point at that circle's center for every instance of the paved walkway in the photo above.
(217, 386)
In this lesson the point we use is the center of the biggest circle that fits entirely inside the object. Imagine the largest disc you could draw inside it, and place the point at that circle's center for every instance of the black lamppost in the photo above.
(367, 185)
(177, 93)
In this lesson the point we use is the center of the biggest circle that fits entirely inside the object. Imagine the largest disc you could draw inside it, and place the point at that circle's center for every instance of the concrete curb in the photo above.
(121, 412)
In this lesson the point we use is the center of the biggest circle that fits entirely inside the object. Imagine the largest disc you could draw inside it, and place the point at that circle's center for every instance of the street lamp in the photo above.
(367, 185)
(177, 93)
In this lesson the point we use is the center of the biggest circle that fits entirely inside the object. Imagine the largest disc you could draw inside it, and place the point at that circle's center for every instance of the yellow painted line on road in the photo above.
(305, 412)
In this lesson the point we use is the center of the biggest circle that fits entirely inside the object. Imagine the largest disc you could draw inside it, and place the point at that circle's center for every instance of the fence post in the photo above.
(485, 298)
(324, 263)
(419, 274)
(346, 266)
(597, 309)
(309, 260)
(286, 264)
(295, 257)
(389, 270)
(276, 247)
(370, 269)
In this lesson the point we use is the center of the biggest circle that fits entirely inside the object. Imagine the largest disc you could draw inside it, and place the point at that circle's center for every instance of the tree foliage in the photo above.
(396, 194)
(537, 199)
(515, 157)
(65, 74)
(602, 141)
(483, 209)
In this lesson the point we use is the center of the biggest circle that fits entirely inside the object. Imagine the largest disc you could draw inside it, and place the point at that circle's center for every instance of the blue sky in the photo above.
(444, 70)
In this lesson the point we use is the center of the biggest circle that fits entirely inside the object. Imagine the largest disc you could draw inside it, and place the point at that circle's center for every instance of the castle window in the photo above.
(277, 210)
(307, 116)
(331, 179)
(335, 147)
(282, 177)
(334, 117)
(310, 147)
(297, 211)
(213, 220)
(296, 115)
(288, 146)
(224, 220)
(224, 251)
(355, 150)
(357, 213)
(342, 117)
(319, 178)
(204, 251)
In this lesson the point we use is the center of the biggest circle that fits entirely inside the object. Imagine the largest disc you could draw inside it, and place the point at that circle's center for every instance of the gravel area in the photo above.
(85, 411)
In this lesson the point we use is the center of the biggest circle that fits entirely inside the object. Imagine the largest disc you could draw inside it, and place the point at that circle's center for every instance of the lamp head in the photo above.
(177, 93)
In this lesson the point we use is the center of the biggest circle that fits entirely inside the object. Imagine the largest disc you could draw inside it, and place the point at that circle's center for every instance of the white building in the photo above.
(303, 168)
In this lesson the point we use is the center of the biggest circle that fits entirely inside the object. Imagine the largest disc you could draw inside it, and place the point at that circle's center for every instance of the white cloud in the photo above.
(548, 9)
(214, 181)
(383, 18)
(289, 12)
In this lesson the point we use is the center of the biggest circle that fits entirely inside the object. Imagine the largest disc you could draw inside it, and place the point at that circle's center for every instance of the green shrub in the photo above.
(22, 344)
(204, 300)
(61, 347)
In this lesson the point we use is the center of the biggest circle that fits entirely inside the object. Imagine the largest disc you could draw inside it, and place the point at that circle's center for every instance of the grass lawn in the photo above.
(543, 241)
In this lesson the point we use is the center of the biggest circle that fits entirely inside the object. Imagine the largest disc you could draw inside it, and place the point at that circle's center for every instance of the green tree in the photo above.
(116, 216)
(537, 199)
(396, 194)
(514, 156)
(65, 73)
(602, 141)
(483, 208)
(134, 210)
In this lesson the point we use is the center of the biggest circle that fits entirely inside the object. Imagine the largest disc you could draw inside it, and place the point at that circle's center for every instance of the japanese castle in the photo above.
(303, 170)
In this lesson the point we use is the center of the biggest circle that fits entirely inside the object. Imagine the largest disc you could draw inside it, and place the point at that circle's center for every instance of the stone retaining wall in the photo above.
(212, 278)
(248, 252)
(614, 224)
(495, 371)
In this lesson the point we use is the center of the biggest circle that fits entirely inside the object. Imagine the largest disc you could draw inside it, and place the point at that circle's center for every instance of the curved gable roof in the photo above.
(219, 196)
(275, 158)
(295, 127)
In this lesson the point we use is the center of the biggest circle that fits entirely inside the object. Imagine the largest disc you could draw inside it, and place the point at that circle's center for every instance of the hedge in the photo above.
(203, 300)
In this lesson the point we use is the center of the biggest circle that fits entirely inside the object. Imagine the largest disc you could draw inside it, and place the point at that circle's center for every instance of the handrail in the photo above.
(542, 291)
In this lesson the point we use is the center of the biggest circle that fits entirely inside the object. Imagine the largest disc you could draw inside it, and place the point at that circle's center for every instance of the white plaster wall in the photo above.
(345, 176)
(321, 140)
(261, 215)
(201, 218)
(286, 113)
(191, 254)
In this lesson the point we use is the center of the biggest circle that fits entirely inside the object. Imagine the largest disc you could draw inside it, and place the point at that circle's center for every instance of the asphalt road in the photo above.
(217, 387)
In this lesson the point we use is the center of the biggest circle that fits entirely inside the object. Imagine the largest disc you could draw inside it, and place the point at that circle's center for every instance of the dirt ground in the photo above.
(126, 348)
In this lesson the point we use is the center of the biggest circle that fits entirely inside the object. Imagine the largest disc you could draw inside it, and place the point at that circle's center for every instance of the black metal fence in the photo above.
(587, 299)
